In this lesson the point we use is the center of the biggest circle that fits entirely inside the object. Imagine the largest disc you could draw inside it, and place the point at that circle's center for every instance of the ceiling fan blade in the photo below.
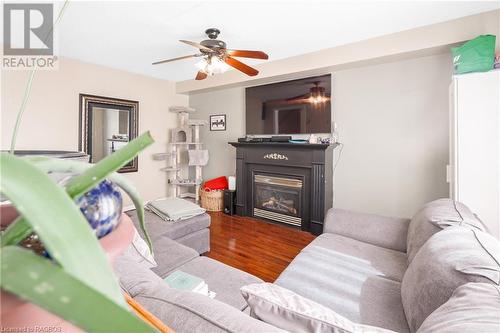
(197, 45)
(241, 66)
(201, 75)
(174, 59)
(248, 54)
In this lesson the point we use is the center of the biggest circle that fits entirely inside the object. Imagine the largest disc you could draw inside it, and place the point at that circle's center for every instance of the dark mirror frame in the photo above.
(87, 102)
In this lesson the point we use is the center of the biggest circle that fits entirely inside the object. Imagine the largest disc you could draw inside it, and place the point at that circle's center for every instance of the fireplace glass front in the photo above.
(278, 198)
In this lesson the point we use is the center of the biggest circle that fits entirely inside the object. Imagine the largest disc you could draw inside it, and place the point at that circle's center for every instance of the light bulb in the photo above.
(212, 65)
(217, 66)
(202, 64)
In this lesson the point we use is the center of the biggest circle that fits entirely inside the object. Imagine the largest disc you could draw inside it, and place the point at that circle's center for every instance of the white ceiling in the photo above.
(130, 35)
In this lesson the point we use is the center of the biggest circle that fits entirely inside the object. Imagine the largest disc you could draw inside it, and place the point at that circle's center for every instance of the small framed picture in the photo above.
(218, 122)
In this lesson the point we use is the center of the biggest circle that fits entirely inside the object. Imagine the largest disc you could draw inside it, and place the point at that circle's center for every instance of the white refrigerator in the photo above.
(474, 170)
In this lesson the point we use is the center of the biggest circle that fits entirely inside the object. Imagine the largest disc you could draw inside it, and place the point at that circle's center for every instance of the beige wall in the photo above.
(51, 118)
(230, 102)
(393, 120)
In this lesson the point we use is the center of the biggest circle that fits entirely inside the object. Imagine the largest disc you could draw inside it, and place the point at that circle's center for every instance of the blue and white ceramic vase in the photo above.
(102, 207)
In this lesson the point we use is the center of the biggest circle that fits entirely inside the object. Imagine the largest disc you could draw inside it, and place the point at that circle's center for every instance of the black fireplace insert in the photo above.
(278, 198)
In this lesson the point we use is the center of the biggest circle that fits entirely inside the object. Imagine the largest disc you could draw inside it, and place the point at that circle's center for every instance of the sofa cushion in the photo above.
(435, 216)
(134, 276)
(473, 308)
(285, 309)
(447, 260)
(169, 255)
(224, 280)
(188, 312)
(198, 240)
(373, 260)
(158, 228)
(348, 285)
(388, 232)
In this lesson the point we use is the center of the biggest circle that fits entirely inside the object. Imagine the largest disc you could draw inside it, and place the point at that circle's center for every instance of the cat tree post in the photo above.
(185, 136)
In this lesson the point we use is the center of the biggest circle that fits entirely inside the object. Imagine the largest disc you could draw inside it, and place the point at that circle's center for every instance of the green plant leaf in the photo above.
(89, 178)
(59, 223)
(37, 280)
(16, 232)
(27, 91)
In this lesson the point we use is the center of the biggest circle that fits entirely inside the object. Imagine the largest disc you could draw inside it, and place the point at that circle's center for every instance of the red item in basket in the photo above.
(219, 183)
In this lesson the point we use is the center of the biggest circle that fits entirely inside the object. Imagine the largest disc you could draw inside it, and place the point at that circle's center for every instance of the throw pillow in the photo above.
(449, 259)
(473, 308)
(435, 216)
(285, 309)
(143, 251)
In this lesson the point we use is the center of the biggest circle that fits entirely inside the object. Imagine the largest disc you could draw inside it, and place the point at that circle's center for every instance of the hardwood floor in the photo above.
(254, 246)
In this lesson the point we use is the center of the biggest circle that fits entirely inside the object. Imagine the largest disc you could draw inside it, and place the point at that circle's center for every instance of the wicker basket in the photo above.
(212, 201)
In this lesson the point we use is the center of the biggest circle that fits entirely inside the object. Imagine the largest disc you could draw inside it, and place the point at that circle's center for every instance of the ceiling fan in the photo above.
(216, 57)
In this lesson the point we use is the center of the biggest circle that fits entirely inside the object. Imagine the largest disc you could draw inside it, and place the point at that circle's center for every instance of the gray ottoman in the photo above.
(193, 232)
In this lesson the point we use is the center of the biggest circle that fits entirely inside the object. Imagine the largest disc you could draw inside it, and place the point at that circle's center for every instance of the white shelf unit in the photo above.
(186, 143)
(186, 182)
(161, 156)
(169, 169)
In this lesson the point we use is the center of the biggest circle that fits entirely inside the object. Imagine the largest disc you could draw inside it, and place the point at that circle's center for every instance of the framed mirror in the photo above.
(106, 125)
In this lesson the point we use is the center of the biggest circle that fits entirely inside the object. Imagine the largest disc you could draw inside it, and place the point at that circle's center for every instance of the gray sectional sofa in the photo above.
(178, 245)
(436, 272)
(391, 272)
(193, 232)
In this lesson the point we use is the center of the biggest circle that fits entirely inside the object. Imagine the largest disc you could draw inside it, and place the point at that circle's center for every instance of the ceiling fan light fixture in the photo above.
(317, 94)
(212, 65)
(216, 58)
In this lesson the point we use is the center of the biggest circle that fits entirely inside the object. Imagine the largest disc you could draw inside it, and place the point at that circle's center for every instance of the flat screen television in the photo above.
(292, 107)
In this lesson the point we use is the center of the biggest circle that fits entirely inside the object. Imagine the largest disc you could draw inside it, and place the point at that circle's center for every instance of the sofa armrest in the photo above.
(186, 311)
(387, 232)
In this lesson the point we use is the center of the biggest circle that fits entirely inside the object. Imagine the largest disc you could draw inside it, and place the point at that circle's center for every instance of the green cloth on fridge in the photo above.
(477, 55)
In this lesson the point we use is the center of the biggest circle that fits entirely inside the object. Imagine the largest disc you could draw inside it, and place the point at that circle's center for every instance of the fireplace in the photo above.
(284, 182)
(278, 198)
